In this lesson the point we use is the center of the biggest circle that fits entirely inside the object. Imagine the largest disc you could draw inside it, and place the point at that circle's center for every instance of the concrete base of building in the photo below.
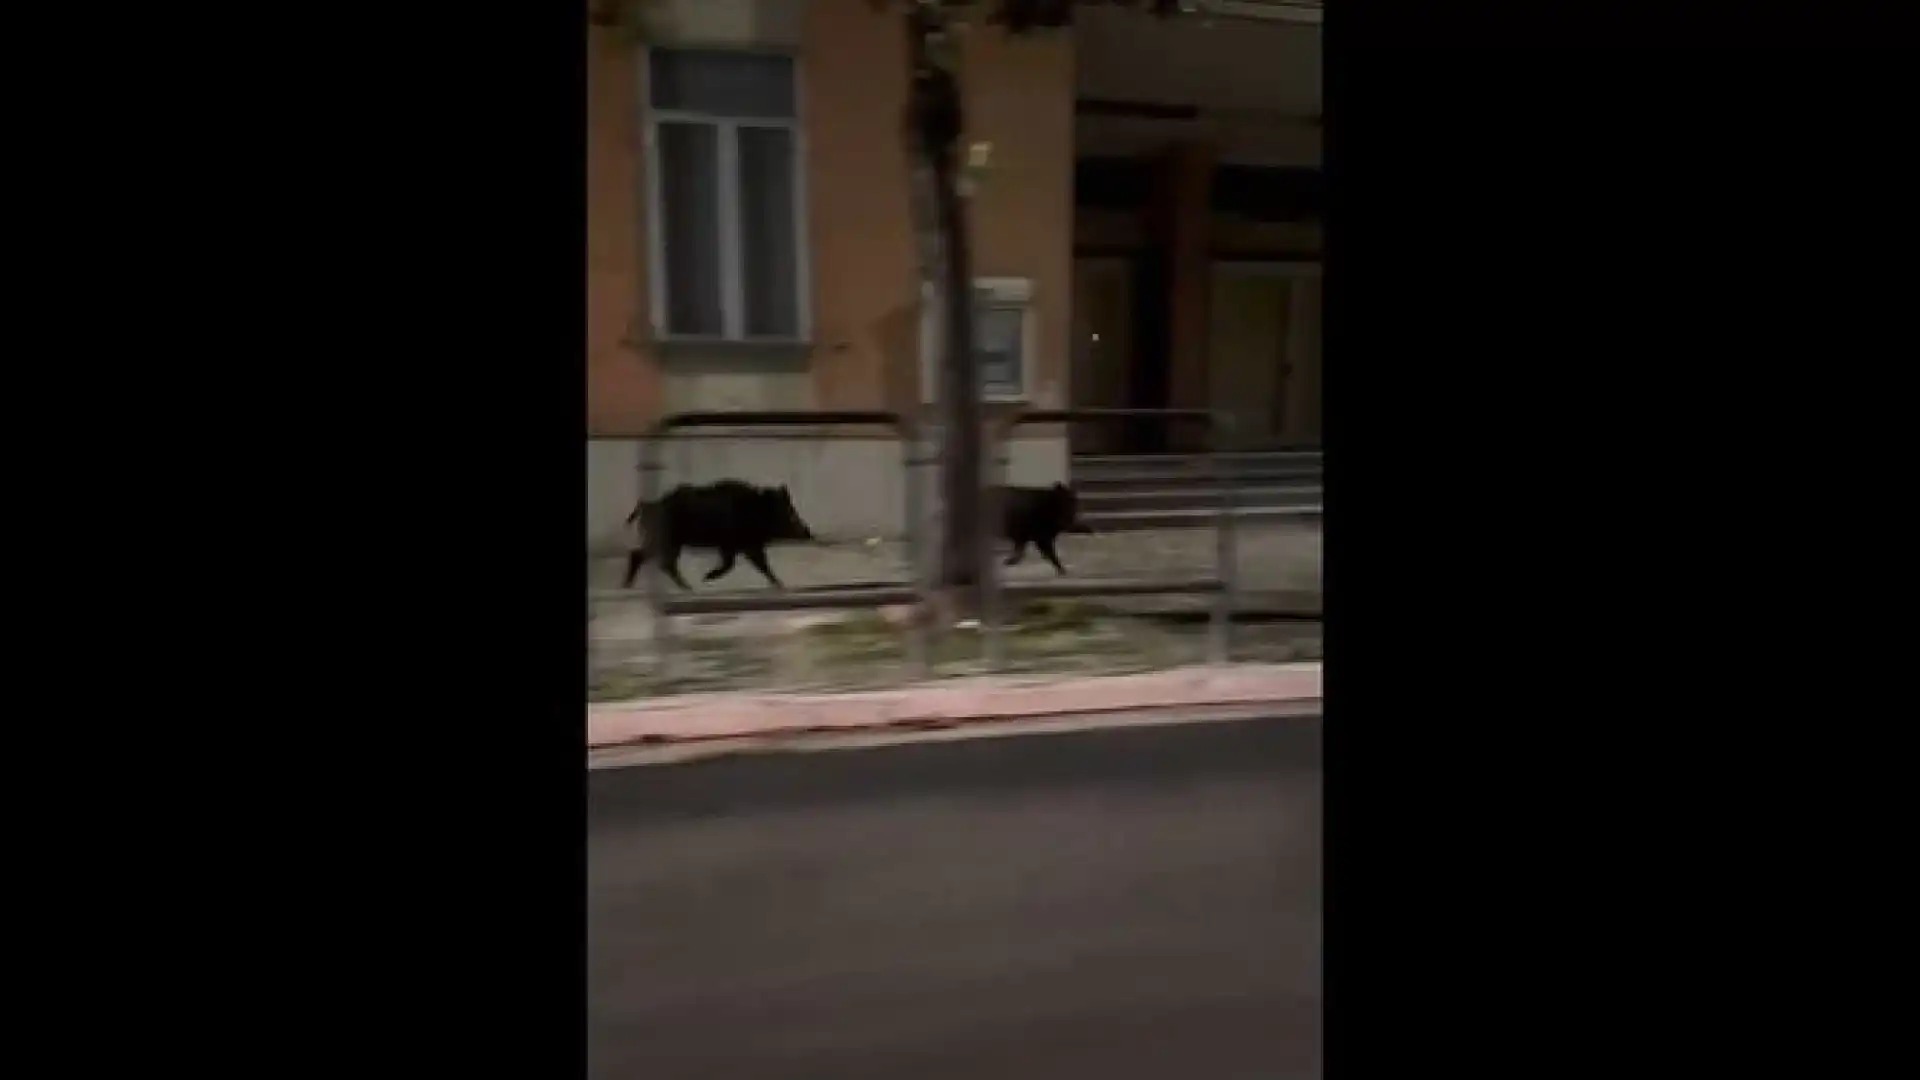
(846, 489)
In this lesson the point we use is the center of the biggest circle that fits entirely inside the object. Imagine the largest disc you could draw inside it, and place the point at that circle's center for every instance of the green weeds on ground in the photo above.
(863, 650)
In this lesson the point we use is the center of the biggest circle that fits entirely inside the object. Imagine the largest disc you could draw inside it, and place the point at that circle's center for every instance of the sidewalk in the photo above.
(860, 650)
(949, 703)
(1271, 558)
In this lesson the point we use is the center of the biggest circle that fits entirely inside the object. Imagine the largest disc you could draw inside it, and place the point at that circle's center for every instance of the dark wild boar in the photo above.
(1031, 515)
(732, 517)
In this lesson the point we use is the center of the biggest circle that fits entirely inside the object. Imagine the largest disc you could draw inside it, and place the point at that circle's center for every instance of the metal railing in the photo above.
(1221, 585)
(995, 593)
(664, 607)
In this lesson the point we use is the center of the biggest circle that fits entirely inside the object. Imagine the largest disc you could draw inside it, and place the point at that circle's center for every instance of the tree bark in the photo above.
(935, 125)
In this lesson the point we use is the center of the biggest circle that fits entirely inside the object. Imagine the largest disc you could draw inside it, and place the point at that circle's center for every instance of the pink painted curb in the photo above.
(732, 715)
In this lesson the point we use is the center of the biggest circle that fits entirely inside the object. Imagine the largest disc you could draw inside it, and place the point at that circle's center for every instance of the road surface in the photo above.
(1122, 904)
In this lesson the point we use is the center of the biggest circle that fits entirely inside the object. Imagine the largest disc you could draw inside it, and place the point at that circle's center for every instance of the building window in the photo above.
(1002, 337)
(727, 243)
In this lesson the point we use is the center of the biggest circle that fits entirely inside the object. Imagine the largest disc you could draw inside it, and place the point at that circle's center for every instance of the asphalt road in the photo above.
(1115, 905)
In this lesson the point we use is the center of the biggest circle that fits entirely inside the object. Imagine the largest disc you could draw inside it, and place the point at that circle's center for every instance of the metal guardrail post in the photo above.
(913, 455)
(656, 587)
(994, 470)
(1220, 639)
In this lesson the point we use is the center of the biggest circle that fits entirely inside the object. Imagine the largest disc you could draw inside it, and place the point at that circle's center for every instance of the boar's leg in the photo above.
(723, 567)
(757, 555)
(670, 562)
(635, 559)
(1045, 544)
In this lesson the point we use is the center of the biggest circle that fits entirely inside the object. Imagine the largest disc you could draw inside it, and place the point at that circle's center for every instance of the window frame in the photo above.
(733, 314)
(1007, 293)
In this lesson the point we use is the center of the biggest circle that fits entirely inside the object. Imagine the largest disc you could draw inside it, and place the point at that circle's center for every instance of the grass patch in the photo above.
(616, 686)
(1042, 617)
(862, 649)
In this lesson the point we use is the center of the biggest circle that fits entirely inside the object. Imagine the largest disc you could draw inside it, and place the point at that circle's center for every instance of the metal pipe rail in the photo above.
(1222, 585)
(1053, 590)
(664, 606)
(811, 600)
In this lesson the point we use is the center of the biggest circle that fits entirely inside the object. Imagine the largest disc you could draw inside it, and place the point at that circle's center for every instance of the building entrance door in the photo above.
(1103, 353)
(1263, 352)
